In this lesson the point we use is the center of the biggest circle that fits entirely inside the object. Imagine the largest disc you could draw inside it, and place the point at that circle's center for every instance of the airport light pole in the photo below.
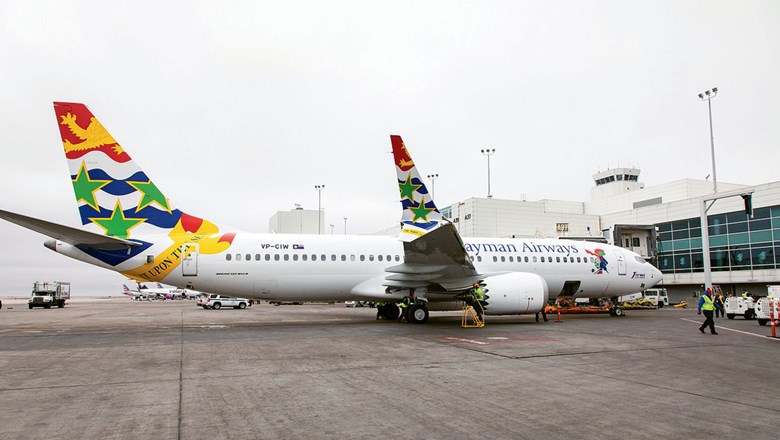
(707, 96)
(319, 189)
(433, 178)
(345, 226)
(488, 152)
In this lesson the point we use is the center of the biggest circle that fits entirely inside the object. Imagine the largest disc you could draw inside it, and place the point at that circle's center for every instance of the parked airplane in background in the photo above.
(138, 295)
(162, 292)
(132, 228)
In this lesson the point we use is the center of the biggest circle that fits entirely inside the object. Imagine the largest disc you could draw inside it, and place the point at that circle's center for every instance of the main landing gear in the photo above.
(414, 313)
(417, 314)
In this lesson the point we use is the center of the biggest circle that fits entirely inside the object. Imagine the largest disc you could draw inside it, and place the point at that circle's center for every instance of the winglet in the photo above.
(420, 215)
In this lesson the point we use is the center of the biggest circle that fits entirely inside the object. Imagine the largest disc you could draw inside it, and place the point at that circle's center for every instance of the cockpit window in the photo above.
(639, 259)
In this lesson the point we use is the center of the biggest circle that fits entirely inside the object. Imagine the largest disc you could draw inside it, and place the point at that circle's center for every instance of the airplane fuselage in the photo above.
(338, 268)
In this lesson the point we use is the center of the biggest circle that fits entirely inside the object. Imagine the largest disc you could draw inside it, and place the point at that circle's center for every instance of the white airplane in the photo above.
(138, 295)
(132, 228)
(163, 292)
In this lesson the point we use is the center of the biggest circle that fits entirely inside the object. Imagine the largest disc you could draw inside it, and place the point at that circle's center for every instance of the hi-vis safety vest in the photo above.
(478, 295)
(708, 304)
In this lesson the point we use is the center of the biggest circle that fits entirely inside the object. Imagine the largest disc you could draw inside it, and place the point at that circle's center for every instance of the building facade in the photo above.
(661, 223)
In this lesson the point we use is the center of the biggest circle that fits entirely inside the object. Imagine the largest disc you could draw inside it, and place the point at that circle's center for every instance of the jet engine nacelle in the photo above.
(515, 293)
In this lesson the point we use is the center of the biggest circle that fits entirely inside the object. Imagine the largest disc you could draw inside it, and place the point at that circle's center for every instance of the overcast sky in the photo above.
(237, 109)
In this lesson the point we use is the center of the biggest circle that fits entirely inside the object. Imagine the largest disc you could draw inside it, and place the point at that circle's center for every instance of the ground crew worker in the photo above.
(404, 306)
(479, 298)
(744, 293)
(380, 310)
(707, 305)
(720, 306)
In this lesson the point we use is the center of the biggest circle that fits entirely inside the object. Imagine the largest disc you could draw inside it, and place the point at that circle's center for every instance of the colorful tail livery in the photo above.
(420, 215)
(131, 227)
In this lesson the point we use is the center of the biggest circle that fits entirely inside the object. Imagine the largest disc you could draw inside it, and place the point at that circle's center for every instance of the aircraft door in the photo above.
(189, 259)
(621, 263)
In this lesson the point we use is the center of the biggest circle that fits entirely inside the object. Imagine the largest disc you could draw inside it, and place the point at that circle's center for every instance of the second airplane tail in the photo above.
(420, 215)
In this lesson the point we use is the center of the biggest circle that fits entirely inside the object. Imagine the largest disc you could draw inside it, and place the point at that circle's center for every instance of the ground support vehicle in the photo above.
(658, 297)
(49, 293)
(740, 306)
(766, 308)
(216, 302)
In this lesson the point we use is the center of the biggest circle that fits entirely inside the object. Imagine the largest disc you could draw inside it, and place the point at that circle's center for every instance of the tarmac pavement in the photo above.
(115, 368)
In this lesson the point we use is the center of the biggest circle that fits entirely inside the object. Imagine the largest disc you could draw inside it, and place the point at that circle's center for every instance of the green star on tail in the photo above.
(85, 188)
(420, 211)
(151, 195)
(117, 225)
(408, 188)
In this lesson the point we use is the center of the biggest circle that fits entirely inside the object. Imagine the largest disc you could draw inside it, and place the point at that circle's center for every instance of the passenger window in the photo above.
(295, 257)
(479, 258)
(370, 258)
(352, 257)
(511, 259)
(238, 257)
(471, 257)
(276, 257)
(535, 260)
(332, 257)
(542, 258)
(322, 257)
(495, 259)
(397, 258)
(343, 257)
(267, 257)
(564, 260)
(248, 257)
(557, 259)
(379, 257)
(362, 258)
(526, 259)
(304, 257)
(286, 257)
(228, 257)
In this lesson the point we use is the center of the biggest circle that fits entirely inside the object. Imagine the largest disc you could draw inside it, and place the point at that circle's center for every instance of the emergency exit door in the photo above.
(189, 260)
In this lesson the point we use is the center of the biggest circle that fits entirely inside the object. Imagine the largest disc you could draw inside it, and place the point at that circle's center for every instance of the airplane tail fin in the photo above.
(118, 200)
(114, 195)
(125, 290)
(420, 215)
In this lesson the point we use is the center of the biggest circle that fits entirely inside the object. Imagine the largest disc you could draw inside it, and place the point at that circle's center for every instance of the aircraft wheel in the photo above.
(417, 314)
(391, 312)
(619, 312)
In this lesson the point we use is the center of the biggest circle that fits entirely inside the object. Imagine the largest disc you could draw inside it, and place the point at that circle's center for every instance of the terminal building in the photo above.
(661, 223)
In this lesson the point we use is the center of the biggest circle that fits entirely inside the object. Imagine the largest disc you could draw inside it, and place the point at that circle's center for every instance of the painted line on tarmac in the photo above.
(737, 331)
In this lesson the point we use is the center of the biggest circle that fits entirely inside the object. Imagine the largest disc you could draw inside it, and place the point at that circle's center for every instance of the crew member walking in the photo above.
(707, 305)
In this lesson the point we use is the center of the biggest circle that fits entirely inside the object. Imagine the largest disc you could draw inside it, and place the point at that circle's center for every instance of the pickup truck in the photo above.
(216, 302)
